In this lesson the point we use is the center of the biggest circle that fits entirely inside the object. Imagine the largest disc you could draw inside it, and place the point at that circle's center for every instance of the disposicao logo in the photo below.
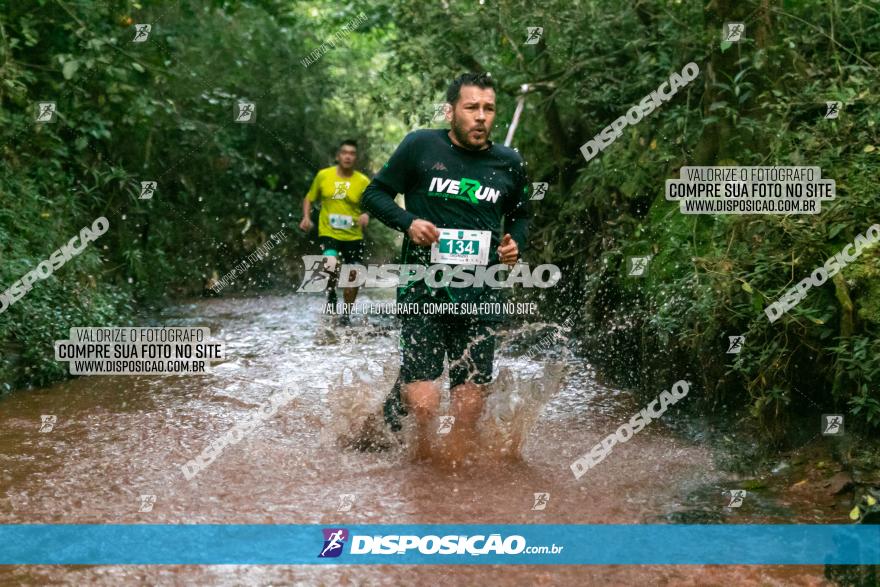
(317, 275)
(411, 544)
(334, 540)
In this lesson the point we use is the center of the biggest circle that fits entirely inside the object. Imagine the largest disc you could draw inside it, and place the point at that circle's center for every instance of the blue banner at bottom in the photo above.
(439, 544)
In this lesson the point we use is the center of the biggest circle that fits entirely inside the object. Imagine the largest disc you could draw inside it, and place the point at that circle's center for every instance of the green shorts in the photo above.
(426, 340)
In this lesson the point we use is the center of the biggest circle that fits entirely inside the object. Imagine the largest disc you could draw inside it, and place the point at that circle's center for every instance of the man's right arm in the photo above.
(378, 200)
(395, 177)
(306, 222)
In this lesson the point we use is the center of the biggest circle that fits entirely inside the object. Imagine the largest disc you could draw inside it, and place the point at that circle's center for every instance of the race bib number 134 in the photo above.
(462, 247)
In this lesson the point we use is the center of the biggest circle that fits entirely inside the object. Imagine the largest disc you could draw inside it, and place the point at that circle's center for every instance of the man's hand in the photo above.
(423, 233)
(363, 220)
(306, 224)
(508, 251)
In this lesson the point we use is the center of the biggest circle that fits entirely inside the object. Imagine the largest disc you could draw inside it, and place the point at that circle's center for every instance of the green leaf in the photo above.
(138, 67)
(70, 68)
(725, 45)
(630, 187)
(757, 304)
(835, 230)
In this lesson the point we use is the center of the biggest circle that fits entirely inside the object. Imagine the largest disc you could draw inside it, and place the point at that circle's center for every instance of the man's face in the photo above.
(346, 156)
(472, 116)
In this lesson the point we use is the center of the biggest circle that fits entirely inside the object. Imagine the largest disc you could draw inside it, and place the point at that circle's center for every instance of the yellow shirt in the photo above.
(340, 203)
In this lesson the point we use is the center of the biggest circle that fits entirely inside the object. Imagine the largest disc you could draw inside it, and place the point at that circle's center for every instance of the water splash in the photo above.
(513, 407)
(355, 402)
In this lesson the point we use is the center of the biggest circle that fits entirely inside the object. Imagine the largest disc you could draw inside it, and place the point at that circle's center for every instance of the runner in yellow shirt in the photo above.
(341, 222)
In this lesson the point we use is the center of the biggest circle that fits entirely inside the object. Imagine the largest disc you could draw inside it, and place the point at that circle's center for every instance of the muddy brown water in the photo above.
(117, 438)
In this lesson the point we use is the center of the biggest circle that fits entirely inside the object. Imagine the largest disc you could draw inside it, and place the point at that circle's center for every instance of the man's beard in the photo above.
(460, 132)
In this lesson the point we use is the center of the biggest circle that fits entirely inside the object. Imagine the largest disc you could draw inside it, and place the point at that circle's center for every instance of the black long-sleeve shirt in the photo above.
(428, 168)
(451, 187)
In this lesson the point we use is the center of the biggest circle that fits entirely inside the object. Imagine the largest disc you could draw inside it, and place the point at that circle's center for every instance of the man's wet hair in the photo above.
(350, 142)
(482, 80)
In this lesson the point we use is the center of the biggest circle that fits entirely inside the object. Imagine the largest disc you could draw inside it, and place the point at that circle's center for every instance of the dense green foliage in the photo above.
(163, 110)
(760, 102)
(159, 110)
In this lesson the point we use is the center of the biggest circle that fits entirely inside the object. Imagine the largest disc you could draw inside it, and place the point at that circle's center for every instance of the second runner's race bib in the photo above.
(462, 247)
(341, 221)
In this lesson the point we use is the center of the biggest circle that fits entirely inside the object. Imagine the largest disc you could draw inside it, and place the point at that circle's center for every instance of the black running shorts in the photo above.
(426, 340)
(348, 251)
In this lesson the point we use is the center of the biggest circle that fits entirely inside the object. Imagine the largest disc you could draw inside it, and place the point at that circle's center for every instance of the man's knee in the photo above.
(333, 278)
(331, 264)
(467, 400)
(422, 396)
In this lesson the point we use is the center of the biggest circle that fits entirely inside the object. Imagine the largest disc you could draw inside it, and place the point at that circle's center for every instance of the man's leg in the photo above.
(472, 352)
(330, 251)
(331, 290)
(349, 294)
(354, 253)
(467, 407)
(423, 399)
(422, 354)
(394, 408)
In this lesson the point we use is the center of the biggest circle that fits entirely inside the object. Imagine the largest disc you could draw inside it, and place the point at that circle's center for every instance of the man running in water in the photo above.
(459, 180)
(341, 222)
